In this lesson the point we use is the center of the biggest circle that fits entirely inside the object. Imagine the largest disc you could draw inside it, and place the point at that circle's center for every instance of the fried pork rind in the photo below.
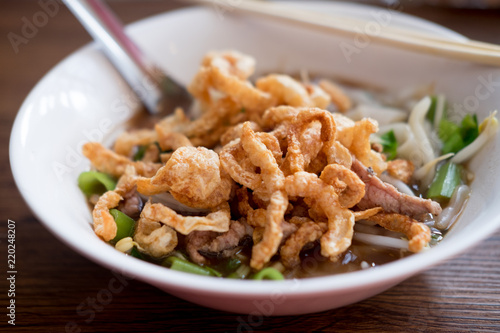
(216, 120)
(104, 223)
(111, 163)
(289, 157)
(232, 62)
(285, 90)
(418, 233)
(401, 169)
(365, 214)
(155, 239)
(337, 95)
(127, 141)
(318, 96)
(217, 220)
(308, 232)
(272, 186)
(227, 73)
(235, 161)
(340, 220)
(347, 184)
(308, 132)
(355, 136)
(279, 115)
(193, 176)
(234, 132)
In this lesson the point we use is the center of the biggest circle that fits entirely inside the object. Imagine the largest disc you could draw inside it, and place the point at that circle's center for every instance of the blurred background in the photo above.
(482, 4)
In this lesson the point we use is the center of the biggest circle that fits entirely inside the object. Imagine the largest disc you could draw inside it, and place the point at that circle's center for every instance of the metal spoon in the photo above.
(158, 91)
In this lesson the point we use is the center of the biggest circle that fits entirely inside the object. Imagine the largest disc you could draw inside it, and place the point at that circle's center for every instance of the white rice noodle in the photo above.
(381, 240)
(489, 127)
(416, 122)
(438, 115)
(425, 174)
(449, 215)
(401, 186)
(433, 136)
(383, 115)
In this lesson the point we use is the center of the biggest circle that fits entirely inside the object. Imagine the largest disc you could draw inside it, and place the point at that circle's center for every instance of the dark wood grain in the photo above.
(460, 295)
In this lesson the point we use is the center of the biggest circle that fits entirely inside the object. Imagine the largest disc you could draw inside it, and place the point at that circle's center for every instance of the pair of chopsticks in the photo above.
(384, 33)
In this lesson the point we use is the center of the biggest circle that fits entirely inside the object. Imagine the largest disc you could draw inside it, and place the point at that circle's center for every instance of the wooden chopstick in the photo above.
(468, 50)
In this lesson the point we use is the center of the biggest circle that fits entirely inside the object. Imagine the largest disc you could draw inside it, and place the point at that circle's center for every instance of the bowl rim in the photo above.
(158, 275)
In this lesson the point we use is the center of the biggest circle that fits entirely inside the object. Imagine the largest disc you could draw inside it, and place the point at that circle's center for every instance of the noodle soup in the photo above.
(283, 178)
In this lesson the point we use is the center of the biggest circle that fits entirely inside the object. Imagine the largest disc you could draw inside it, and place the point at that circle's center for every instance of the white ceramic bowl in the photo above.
(84, 99)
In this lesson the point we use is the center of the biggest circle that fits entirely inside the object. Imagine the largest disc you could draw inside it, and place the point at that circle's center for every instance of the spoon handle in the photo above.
(144, 77)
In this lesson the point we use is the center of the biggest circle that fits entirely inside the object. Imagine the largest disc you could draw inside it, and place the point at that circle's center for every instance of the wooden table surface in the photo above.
(53, 282)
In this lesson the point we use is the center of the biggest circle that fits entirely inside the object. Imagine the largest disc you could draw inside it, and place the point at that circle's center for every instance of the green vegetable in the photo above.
(447, 178)
(456, 137)
(124, 224)
(135, 253)
(181, 265)
(94, 182)
(139, 155)
(240, 273)
(268, 273)
(213, 271)
(233, 264)
(470, 129)
(449, 133)
(390, 145)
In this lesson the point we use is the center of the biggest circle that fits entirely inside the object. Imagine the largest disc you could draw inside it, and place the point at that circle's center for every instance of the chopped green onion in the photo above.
(390, 144)
(268, 273)
(447, 178)
(124, 224)
(233, 264)
(470, 129)
(136, 254)
(240, 273)
(213, 271)
(94, 182)
(456, 137)
(449, 133)
(139, 155)
(181, 265)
